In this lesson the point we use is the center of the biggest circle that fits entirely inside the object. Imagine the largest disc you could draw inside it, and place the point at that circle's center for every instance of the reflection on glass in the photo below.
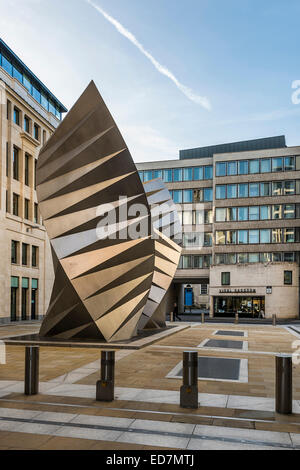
(277, 188)
(253, 189)
(265, 165)
(198, 174)
(265, 236)
(289, 163)
(231, 214)
(265, 212)
(208, 172)
(243, 213)
(253, 257)
(231, 237)
(221, 215)
(253, 166)
(289, 187)
(243, 167)
(254, 213)
(220, 238)
(289, 211)
(231, 168)
(265, 189)
(188, 174)
(253, 236)
(242, 258)
(231, 191)
(221, 169)
(289, 235)
(243, 190)
(187, 218)
(177, 196)
(188, 195)
(276, 235)
(277, 212)
(242, 237)
(277, 164)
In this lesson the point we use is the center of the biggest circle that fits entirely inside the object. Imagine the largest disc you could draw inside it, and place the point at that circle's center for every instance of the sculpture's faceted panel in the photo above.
(108, 283)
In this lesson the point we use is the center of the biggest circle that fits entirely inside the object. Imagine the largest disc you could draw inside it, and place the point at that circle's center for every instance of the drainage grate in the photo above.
(213, 368)
(223, 343)
(229, 333)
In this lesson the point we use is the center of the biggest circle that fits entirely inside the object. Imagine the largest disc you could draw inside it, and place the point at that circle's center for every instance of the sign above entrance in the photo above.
(237, 291)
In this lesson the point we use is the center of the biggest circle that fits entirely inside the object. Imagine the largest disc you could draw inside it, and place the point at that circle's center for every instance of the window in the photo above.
(157, 173)
(225, 279)
(15, 204)
(147, 176)
(188, 174)
(177, 196)
(141, 175)
(289, 188)
(220, 215)
(265, 189)
(289, 235)
(289, 211)
(26, 176)
(16, 116)
(276, 257)
(44, 102)
(187, 218)
(277, 188)
(208, 172)
(254, 213)
(6, 64)
(25, 286)
(288, 257)
(198, 173)
(208, 216)
(220, 238)
(242, 213)
(204, 289)
(34, 256)
(34, 298)
(26, 83)
(243, 167)
(265, 165)
(207, 194)
(253, 257)
(17, 74)
(253, 166)
(14, 251)
(36, 94)
(253, 236)
(24, 254)
(289, 163)
(26, 209)
(36, 213)
(231, 168)
(199, 217)
(168, 176)
(221, 169)
(253, 189)
(14, 297)
(288, 278)
(221, 258)
(188, 195)
(265, 257)
(243, 190)
(276, 235)
(177, 174)
(242, 237)
(231, 258)
(231, 214)
(277, 164)
(16, 163)
(26, 124)
(231, 191)
(277, 212)
(242, 258)
(220, 192)
(265, 236)
(231, 237)
(207, 239)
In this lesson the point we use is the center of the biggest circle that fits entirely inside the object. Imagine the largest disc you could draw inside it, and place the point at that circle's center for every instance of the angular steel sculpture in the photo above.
(104, 288)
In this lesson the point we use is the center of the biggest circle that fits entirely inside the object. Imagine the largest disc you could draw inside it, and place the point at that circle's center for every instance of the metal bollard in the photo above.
(236, 318)
(274, 320)
(31, 379)
(203, 318)
(189, 389)
(284, 384)
(106, 386)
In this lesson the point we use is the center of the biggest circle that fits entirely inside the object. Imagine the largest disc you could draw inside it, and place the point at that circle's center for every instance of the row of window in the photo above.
(257, 236)
(195, 262)
(242, 258)
(24, 254)
(196, 217)
(197, 239)
(16, 165)
(16, 209)
(176, 175)
(39, 96)
(287, 278)
(242, 190)
(259, 165)
(188, 196)
(275, 212)
(26, 301)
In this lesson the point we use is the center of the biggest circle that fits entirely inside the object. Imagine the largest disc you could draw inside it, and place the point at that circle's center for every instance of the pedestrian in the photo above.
(175, 312)
(261, 314)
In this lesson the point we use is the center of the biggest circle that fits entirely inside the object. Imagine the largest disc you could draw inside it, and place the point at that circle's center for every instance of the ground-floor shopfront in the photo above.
(250, 307)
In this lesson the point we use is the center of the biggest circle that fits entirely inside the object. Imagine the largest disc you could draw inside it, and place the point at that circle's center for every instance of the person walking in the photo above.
(175, 312)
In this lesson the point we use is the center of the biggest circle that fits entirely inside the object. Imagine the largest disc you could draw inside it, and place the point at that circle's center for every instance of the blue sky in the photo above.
(241, 55)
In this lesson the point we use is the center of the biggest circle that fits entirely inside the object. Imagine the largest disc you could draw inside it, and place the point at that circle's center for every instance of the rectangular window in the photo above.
(243, 190)
(276, 235)
(242, 258)
(289, 211)
(14, 297)
(207, 194)
(289, 163)
(188, 174)
(15, 204)
(187, 218)
(277, 164)
(24, 254)
(242, 213)
(265, 165)
(36, 94)
(242, 237)
(16, 163)
(168, 176)
(26, 176)
(288, 257)
(265, 257)
(289, 188)
(265, 236)
(141, 175)
(187, 195)
(25, 286)
(231, 168)
(199, 217)
(231, 237)
(265, 189)
(147, 176)
(254, 166)
(221, 215)
(26, 209)
(208, 172)
(253, 237)
(36, 213)
(231, 214)
(221, 169)
(265, 213)
(6, 64)
(157, 173)
(177, 175)
(277, 212)
(243, 167)
(277, 188)
(289, 235)
(26, 124)
(17, 74)
(225, 279)
(221, 191)
(276, 257)
(231, 258)
(253, 257)
(34, 256)
(177, 196)
(220, 238)
(231, 191)
(253, 189)
(208, 216)
(44, 102)
(14, 251)
(26, 83)
(221, 258)
(16, 116)
(288, 278)
(198, 174)
(254, 213)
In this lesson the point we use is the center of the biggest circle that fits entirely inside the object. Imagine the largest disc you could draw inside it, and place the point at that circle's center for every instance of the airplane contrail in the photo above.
(202, 100)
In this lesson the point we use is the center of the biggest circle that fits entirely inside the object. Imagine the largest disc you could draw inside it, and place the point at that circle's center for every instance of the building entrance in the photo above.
(249, 307)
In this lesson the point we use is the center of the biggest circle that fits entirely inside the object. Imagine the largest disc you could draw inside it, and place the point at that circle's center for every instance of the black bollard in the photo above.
(105, 387)
(284, 384)
(236, 318)
(203, 318)
(274, 320)
(189, 389)
(31, 379)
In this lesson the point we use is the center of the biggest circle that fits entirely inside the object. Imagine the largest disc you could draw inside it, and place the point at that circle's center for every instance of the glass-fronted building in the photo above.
(239, 204)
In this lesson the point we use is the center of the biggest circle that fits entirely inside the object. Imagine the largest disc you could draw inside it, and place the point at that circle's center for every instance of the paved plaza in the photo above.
(236, 400)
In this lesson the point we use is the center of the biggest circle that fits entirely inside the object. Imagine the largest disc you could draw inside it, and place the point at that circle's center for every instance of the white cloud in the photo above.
(201, 100)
